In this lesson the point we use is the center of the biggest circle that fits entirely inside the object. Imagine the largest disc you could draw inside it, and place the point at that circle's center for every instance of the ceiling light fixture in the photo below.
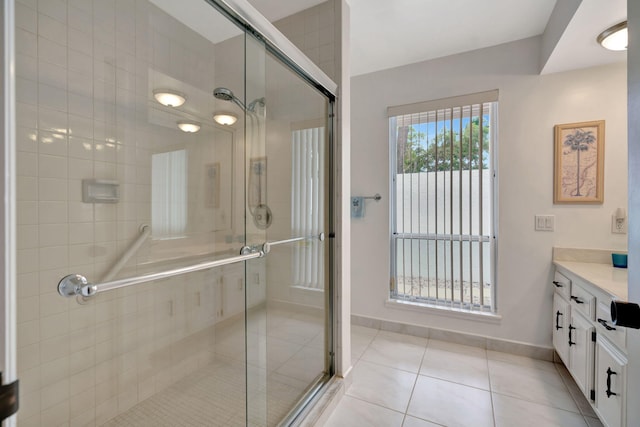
(188, 126)
(169, 98)
(615, 38)
(224, 118)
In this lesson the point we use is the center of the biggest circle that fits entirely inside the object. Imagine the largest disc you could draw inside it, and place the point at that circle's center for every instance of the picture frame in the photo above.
(579, 163)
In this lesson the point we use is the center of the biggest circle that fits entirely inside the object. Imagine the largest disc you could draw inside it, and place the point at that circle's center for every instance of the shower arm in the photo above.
(78, 285)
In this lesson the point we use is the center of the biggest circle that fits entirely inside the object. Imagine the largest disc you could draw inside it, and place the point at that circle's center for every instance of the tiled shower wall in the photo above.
(85, 70)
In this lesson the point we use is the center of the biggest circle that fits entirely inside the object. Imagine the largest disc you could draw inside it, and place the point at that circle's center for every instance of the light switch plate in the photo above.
(545, 222)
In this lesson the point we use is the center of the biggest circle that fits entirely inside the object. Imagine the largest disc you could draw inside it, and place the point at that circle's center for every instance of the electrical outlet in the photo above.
(618, 226)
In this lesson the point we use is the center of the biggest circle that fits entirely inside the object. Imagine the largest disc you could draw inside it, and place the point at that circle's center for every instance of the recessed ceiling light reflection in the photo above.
(188, 126)
(169, 98)
(226, 119)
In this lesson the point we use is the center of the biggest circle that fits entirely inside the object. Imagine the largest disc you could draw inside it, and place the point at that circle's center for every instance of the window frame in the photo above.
(403, 300)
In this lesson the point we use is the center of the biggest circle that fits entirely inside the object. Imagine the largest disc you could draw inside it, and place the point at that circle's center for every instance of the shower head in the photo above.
(227, 95)
(223, 93)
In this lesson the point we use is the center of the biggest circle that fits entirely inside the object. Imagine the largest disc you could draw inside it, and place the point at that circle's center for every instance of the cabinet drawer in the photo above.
(583, 301)
(606, 328)
(562, 285)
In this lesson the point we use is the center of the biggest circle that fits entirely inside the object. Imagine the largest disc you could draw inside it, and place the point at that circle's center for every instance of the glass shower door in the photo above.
(286, 145)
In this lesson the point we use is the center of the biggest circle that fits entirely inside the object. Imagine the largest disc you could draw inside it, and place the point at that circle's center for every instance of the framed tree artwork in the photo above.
(579, 163)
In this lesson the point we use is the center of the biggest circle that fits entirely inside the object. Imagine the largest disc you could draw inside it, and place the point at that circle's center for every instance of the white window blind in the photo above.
(169, 194)
(307, 210)
(442, 170)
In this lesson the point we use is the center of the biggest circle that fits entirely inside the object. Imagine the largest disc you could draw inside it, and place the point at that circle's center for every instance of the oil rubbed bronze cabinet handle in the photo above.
(571, 328)
(606, 325)
(558, 284)
(609, 392)
(558, 314)
(577, 300)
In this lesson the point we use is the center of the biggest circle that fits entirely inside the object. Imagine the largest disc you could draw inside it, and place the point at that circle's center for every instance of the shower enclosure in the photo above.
(173, 216)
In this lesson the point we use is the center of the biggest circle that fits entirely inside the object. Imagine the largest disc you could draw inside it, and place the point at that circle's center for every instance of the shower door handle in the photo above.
(78, 285)
(266, 246)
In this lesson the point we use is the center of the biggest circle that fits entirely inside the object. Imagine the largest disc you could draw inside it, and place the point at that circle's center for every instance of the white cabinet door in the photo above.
(581, 351)
(561, 311)
(611, 373)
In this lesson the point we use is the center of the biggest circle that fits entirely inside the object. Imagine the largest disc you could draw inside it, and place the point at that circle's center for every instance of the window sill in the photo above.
(457, 313)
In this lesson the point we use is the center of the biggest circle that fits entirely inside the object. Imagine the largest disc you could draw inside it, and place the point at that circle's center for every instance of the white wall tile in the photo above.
(52, 97)
(80, 62)
(52, 121)
(28, 358)
(52, 212)
(80, 212)
(79, 16)
(55, 394)
(28, 284)
(53, 234)
(27, 188)
(54, 52)
(54, 326)
(56, 9)
(53, 257)
(52, 189)
(28, 333)
(80, 82)
(80, 233)
(26, 43)
(26, 115)
(26, 18)
(27, 164)
(52, 29)
(27, 236)
(81, 105)
(27, 212)
(28, 309)
(52, 74)
(55, 349)
(80, 41)
(26, 140)
(80, 126)
(26, 91)
(52, 166)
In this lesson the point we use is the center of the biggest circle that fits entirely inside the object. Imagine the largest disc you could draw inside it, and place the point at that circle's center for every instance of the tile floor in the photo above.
(402, 380)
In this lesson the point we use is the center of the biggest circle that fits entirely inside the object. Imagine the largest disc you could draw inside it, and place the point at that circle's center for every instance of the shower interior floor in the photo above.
(285, 355)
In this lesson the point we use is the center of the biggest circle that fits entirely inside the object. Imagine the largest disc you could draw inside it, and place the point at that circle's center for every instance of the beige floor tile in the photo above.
(511, 412)
(382, 385)
(457, 363)
(530, 383)
(396, 351)
(410, 421)
(450, 404)
(354, 412)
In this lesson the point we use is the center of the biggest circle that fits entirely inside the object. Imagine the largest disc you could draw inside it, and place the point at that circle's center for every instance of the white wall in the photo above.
(529, 106)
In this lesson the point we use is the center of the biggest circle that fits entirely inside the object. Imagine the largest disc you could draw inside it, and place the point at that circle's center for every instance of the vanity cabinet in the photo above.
(590, 346)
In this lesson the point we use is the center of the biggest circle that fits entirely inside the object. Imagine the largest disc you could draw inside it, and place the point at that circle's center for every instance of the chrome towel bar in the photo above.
(78, 285)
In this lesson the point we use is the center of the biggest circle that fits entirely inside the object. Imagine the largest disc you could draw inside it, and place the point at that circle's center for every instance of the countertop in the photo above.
(610, 279)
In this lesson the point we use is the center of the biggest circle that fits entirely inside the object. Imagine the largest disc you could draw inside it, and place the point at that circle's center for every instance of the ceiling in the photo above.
(387, 34)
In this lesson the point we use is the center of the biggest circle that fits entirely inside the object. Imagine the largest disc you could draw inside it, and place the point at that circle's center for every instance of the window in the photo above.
(169, 194)
(442, 189)
(307, 210)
